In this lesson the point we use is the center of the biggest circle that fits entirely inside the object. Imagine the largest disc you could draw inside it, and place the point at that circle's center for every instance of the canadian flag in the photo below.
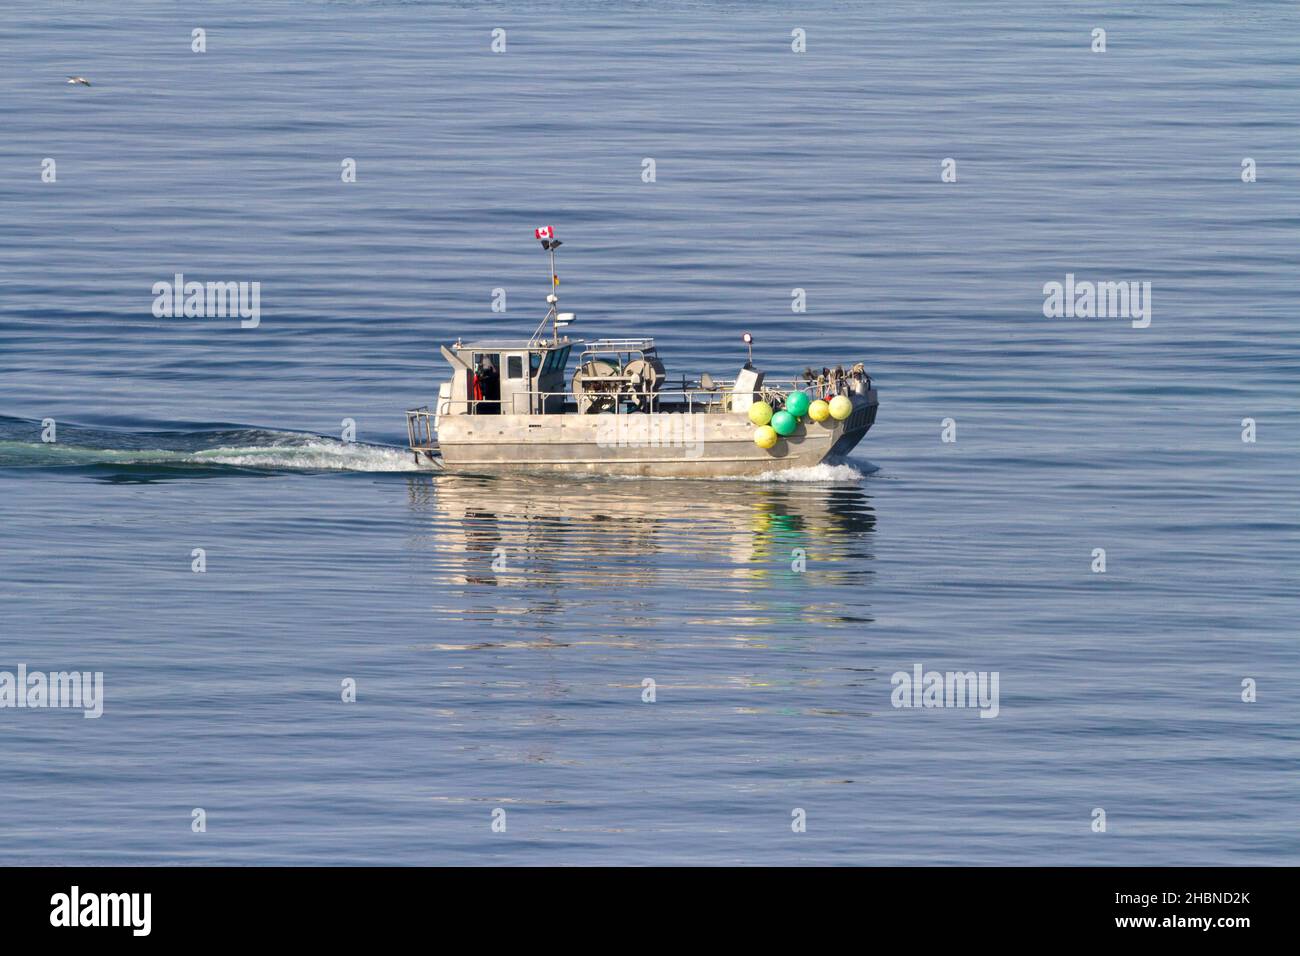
(544, 232)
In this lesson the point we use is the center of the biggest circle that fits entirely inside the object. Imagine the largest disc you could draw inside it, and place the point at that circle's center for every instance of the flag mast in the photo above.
(554, 296)
(547, 235)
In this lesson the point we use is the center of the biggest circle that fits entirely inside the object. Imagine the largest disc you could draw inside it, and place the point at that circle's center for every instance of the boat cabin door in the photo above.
(516, 383)
(485, 383)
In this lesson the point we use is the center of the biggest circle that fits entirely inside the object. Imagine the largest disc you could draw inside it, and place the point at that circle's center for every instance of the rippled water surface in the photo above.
(500, 631)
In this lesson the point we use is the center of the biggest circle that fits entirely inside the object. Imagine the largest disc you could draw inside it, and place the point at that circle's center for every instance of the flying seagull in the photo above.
(79, 79)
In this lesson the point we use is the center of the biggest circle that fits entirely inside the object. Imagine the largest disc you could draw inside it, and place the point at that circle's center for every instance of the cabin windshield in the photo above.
(556, 359)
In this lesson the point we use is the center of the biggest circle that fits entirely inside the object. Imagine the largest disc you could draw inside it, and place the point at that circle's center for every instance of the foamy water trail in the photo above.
(312, 455)
(321, 455)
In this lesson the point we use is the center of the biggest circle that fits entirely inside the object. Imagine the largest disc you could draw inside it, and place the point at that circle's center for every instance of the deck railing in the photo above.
(620, 401)
(419, 427)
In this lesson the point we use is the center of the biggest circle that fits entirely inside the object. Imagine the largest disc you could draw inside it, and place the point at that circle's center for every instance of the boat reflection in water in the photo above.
(616, 561)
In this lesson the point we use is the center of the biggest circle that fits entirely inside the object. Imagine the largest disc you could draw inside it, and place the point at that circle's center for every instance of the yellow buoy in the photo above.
(841, 408)
(764, 436)
(760, 413)
(819, 411)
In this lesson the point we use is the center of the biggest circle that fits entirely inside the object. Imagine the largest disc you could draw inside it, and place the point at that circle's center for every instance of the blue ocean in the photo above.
(314, 653)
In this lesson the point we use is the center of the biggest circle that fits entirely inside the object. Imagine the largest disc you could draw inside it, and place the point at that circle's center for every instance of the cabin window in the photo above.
(514, 366)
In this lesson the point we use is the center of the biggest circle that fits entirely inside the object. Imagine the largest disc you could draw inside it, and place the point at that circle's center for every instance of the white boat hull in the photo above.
(668, 445)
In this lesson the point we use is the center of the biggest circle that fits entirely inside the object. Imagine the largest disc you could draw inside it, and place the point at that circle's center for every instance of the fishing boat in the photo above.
(550, 403)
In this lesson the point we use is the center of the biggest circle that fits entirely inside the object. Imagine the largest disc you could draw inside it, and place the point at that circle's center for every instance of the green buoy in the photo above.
(783, 423)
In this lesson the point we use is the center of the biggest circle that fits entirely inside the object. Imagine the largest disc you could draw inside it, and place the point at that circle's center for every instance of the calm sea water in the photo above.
(519, 685)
